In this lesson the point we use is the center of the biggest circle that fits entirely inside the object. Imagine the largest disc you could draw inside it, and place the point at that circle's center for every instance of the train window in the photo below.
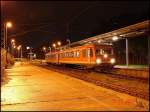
(84, 52)
(78, 54)
(72, 54)
(75, 54)
(91, 52)
(65, 54)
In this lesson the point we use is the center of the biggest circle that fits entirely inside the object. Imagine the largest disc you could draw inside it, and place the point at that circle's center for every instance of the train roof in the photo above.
(81, 46)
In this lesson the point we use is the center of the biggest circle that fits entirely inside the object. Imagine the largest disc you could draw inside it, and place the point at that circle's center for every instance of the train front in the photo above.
(104, 56)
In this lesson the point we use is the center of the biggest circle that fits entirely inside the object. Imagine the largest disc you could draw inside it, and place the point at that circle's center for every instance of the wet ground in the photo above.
(29, 87)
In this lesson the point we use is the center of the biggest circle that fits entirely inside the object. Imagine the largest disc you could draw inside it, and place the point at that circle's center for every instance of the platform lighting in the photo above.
(12, 40)
(44, 48)
(8, 24)
(27, 47)
(19, 47)
(115, 38)
(54, 45)
(59, 43)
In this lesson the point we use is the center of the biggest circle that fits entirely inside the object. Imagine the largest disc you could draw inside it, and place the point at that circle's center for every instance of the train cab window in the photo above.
(84, 52)
(107, 51)
(103, 51)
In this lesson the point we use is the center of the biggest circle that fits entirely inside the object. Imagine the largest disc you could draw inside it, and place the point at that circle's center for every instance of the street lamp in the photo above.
(54, 45)
(27, 47)
(12, 46)
(59, 43)
(7, 25)
(44, 49)
(30, 54)
(68, 40)
(12, 40)
(18, 48)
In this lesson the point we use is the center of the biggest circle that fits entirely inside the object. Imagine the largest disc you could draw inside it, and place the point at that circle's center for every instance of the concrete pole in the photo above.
(18, 54)
(68, 40)
(148, 36)
(30, 54)
(4, 36)
(6, 43)
(50, 49)
(21, 52)
(6, 39)
(127, 53)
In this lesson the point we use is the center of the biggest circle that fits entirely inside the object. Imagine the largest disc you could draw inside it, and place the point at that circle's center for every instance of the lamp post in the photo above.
(50, 49)
(44, 49)
(6, 25)
(54, 45)
(30, 54)
(18, 48)
(68, 40)
(12, 46)
(59, 44)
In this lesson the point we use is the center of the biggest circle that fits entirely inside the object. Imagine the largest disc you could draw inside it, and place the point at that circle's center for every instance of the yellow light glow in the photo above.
(112, 61)
(44, 48)
(105, 55)
(19, 47)
(54, 45)
(98, 61)
(99, 41)
(27, 47)
(115, 38)
(59, 43)
(8, 24)
(12, 40)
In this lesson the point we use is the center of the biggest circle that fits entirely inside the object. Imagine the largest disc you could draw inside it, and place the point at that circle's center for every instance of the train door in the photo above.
(89, 55)
(57, 58)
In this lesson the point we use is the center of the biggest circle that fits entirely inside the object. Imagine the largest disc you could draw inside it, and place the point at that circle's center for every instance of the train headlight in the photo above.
(105, 55)
(112, 61)
(98, 61)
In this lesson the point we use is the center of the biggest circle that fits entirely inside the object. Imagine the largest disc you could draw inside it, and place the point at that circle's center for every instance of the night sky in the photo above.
(38, 23)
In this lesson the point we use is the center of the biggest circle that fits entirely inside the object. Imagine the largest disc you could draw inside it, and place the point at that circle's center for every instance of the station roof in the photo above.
(126, 32)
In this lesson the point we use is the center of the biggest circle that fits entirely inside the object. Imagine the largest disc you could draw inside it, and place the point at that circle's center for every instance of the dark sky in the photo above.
(38, 23)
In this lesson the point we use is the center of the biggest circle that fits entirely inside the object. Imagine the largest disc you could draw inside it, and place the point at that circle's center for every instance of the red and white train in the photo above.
(90, 55)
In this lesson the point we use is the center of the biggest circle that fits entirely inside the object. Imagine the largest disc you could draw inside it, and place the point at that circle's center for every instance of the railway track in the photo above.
(82, 74)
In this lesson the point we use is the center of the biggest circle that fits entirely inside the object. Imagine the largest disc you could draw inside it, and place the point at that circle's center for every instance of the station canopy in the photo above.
(108, 38)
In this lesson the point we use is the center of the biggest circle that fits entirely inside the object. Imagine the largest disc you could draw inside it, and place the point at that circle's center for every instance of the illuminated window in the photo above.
(78, 54)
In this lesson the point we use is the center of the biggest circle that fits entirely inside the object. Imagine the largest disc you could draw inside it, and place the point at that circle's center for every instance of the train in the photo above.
(88, 56)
